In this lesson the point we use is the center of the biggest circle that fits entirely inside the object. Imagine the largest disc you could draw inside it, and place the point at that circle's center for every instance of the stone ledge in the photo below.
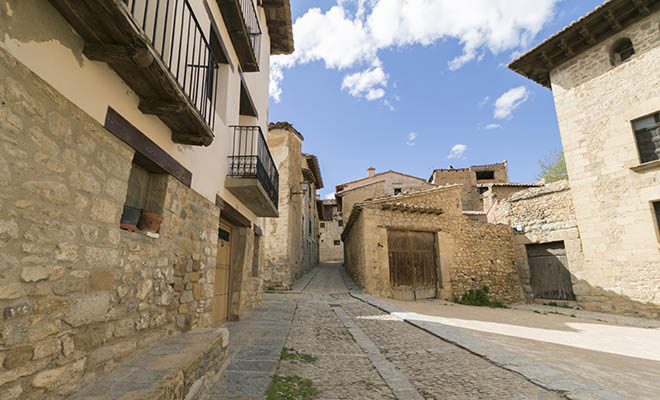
(651, 165)
(179, 367)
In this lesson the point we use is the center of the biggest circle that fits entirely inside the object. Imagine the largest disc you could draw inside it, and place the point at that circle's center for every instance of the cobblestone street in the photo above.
(338, 347)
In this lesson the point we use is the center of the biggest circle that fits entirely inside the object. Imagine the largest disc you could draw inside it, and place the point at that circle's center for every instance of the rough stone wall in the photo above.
(283, 235)
(310, 230)
(494, 195)
(329, 233)
(596, 103)
(78, 293)
(471, 197)
(246, 282)
(358, 195)
(471, 254)
(544, 214)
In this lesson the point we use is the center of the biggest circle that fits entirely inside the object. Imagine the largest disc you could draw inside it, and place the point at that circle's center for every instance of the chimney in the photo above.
(371, 171)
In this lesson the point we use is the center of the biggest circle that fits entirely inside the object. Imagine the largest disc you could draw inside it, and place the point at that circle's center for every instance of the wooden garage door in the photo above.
(549, 276)
(412, 264)
(220, 304)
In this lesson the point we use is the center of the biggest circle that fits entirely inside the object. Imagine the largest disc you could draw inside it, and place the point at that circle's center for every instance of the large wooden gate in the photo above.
(220, 305)
(412, 264)
(549, 275)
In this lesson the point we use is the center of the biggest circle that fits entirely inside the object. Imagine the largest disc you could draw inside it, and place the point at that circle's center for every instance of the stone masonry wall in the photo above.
(544, 214)
(471, 254)
(77, 293)
(329, 234)
(596, 103)
(471, 198)
(283, 235)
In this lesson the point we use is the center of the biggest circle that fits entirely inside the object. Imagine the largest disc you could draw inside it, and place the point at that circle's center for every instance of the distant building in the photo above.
(475, 180)
(291, 245)
(375, 185)
(331, 225)
(604, 73)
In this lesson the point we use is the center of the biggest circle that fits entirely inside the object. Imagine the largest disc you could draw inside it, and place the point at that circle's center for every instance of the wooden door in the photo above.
(549, 275)
(220, 305)
(412, 264)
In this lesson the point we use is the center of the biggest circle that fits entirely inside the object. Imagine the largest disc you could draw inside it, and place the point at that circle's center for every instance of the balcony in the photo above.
(242, 22)
(159, 49)
(252, 175)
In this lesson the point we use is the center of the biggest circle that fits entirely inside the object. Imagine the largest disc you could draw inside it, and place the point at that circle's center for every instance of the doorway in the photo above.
(412, 264)
(220, 304)
(548, 269)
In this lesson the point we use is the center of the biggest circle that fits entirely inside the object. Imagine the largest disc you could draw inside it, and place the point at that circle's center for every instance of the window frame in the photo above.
(656, 116)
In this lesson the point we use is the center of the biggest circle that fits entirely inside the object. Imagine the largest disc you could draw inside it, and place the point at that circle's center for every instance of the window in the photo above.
(337, 242)
(485, 175)
(647, 132)
(322, 224)
(145, 194)
(621, 51)
(340, 222)
(397, 191)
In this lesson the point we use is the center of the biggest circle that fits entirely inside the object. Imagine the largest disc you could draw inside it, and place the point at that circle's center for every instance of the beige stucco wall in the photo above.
(595, 104)
(93, 86)
(470, 254)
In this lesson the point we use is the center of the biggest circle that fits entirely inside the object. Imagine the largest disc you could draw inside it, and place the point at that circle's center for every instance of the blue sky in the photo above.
(369, 88)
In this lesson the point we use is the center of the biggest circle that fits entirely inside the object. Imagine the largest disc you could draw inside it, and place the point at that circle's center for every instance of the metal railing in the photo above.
(252, 24)
(177, 37)
(251, 158)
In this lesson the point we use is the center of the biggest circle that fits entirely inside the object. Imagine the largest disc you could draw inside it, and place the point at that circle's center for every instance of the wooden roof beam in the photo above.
(642, 7)
(591, 40)
(566, 48)
(611, 19)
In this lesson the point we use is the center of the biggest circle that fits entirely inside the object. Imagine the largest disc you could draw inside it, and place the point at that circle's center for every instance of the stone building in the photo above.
(112, 114)
(475, 180)
(604, 73)
(420, 245)
(388, 183)
(548, 247)
(331, 225)
(291, 241)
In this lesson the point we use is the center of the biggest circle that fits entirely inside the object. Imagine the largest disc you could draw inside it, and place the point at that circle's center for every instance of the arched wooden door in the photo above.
(220, 305)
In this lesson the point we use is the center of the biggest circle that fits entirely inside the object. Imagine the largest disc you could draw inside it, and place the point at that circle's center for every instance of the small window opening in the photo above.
(146, 190)
(322, 224)
(621, 51)
(340, 222)
(397, 191)
(647, 133)
(483, 190)
(485, 175)
(337, 242)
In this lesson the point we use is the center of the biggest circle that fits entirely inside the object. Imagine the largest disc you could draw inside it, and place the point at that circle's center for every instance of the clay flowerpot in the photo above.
(150, 222)
(130, 218)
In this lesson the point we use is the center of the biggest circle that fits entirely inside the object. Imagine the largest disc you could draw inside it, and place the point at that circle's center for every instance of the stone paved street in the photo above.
(380, 357)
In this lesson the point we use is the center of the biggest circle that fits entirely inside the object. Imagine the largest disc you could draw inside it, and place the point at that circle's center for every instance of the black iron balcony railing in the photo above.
(252, 24)
(177, 37)
(251, 158)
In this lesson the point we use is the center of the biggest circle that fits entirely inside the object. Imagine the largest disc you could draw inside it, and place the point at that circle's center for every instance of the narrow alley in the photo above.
(338, 347)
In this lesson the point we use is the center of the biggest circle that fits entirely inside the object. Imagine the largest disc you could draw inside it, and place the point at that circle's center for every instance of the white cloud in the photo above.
(388, 105)
(509, 101)
(411, 139)
(329, 196)
(492, 126)
(457, 151)
(368, 83)
(352, 32)
(484, 101)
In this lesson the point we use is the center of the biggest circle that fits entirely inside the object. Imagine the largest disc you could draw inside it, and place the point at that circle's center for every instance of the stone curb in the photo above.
(570, 386)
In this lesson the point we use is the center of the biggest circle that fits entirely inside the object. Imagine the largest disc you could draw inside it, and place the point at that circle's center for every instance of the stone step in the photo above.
(179, 367)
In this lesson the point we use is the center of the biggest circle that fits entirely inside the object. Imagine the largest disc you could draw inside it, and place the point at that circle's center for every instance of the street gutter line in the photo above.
(569, 386)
